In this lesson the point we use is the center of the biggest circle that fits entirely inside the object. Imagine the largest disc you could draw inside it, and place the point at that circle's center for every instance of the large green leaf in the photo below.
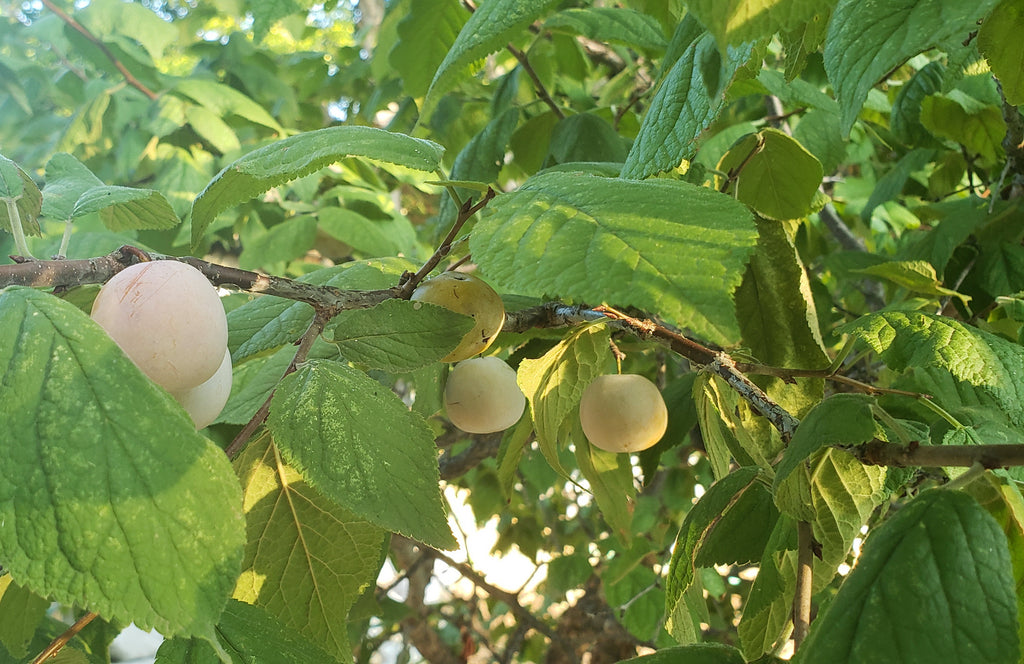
(610, 24)
(610, 477)
(774, 174)
(489, 29)
(356, 442)
(307, 559)
(302, 154)
(111, 500)
(397, 336)
(730, 523)
(1000, 43)
(989, 363)
(735, 21)
(977, 126)
(688, 101)
(666, 246)
(868, 39)
(17, 185)
(425, 35)
(933, 584)
(554, 383)
(224, 100)
(842, 419)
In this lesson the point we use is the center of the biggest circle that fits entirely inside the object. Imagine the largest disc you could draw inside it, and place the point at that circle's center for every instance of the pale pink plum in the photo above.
(205, 401)
(623, 413)
(482, 396)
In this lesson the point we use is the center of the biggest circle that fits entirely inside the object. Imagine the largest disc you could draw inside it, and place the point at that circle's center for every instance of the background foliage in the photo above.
(803, 218)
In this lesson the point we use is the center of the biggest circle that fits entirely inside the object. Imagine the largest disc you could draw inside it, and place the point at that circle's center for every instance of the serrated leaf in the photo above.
(213, 129)
(224, 100)
(867, 40)
(17, 185)
(357, 443)
(425, 35)
(397, 336)
(915, 339)
(998, 41)
(66, 180)
(307, 559)
(681, 110)
(774, 174)
(74, 405)
(842, 419)
(610, 24)
(736, 21)
(769, 606)
(302, 154)
(126, 208)
(933, 583)
(732, 500)
(291, 239)
(554, 383)
(489, 29)
(666, 246)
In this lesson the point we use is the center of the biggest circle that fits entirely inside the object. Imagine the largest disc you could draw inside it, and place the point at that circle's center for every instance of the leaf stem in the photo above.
(58, 643)
(804, 582)
(17, 230)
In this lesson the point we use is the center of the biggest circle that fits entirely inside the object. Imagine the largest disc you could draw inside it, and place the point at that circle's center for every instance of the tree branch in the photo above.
(128, 76)
(880, 453)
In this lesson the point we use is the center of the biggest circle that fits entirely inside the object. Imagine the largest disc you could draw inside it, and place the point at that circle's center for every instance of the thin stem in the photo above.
(128, 76)
(65, 240)
(58, 643)
(20, 243)
(940, 411)
(804, 585)
(542, 92)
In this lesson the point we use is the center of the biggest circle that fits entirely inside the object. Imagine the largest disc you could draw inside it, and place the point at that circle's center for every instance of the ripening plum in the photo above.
(482, 396)
(205, 401)
(469, 295)
(623, 413)
(168, 319)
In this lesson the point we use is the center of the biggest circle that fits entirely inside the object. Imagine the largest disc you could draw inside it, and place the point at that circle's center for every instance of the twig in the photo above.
(58, 643)
(542, 92)
(465, 214)
(306, 342)
(512, 600)
(804, 578)
(128, 76)
(456, 465)
(880, 453)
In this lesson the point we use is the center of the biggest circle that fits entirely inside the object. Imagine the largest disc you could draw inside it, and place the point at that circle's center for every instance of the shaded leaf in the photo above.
(842, 419)
(425, 35)
(736, 21)
(1000, 43)
(17, 185)
(610, 24)
(775, 175)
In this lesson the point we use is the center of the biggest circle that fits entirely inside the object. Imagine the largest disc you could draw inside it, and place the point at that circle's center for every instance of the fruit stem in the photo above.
(20, 244)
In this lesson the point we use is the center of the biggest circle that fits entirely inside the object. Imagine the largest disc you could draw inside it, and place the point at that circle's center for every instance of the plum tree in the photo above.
(168, 319)
(482, 396)
(623, 413)
(469, 295)
(205, 401)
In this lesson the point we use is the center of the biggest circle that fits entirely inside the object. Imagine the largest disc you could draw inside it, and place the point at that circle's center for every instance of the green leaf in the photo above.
(999, 42)
(307, 559)
(248, 634)
(977, 126)
(302, 154)
(697, 653)
(681, 110)
(125, 208)
(489, 29)
(737, 21)
(224, 101)
(916, 276)
(730, 523)
(610, 24)
(215, 131)
(775, 175)
(842, 419)
(554, 383)
(425, 36)
(610, 477)
(914, 339)
(867, 40)
(357, 443)
(21, 611)
(286, 241)
(933, 583)
(905, 119)
(597, 239)
(17, 185)
(890, 186)
(586, 137)
(103, 476)
(368, 236)
(769, 606)
(66, 180)
(397, 336)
